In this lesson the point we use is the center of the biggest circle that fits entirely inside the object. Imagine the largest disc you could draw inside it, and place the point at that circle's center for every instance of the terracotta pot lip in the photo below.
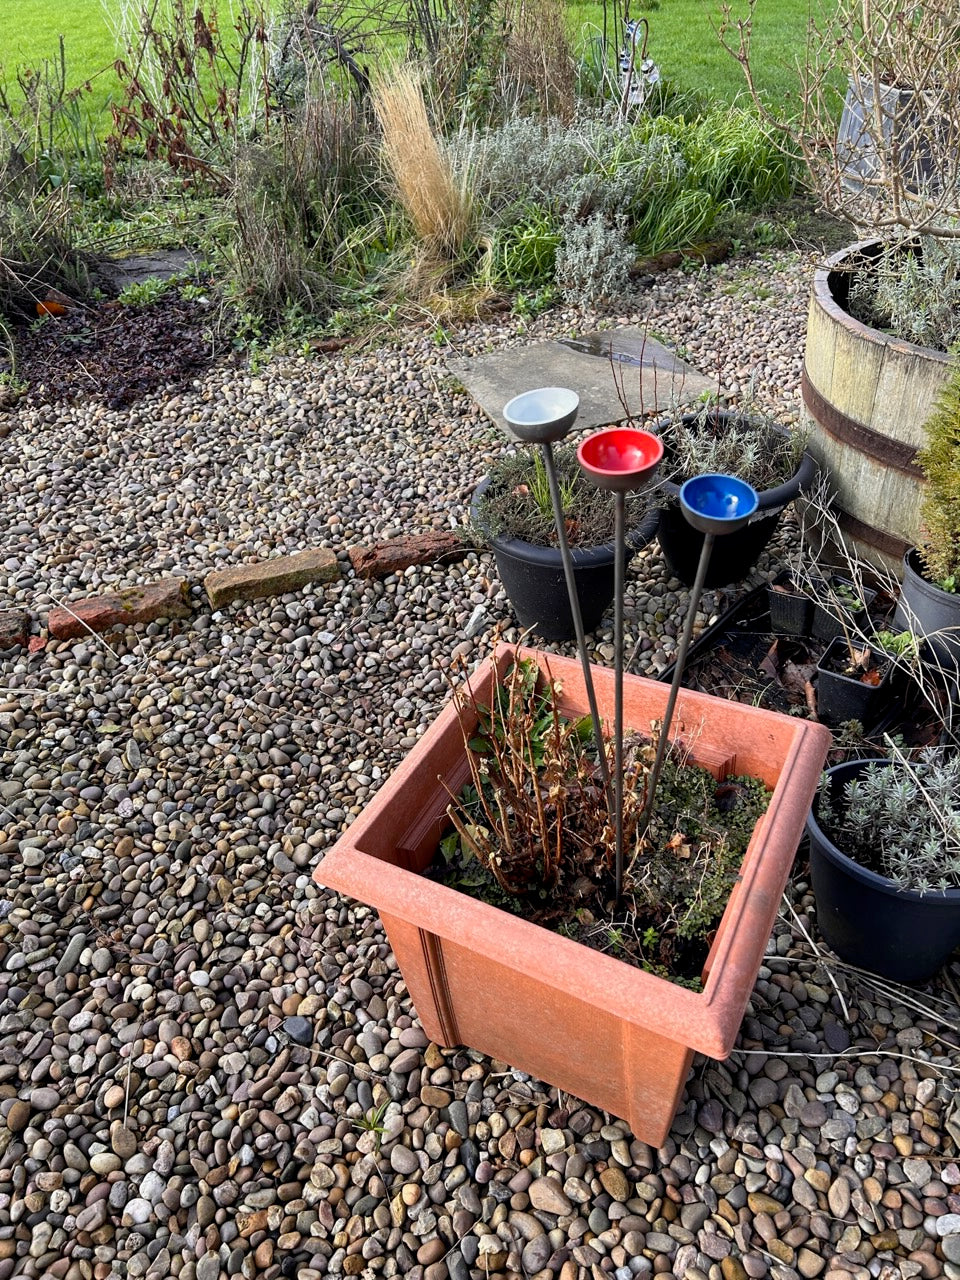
(872, 878)
(708, 1021)
(583, 557)
(824, 296)
(769, 499)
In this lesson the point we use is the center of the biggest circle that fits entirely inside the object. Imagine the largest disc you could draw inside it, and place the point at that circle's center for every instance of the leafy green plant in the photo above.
(901, 818)
(899, 644)
(143, 293)
(525, 251)
(372, 1121)
(939, 460)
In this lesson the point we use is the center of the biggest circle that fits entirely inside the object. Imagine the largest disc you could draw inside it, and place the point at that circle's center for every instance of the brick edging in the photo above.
(168, 598)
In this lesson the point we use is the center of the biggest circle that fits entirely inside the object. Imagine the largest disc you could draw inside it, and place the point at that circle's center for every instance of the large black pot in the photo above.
(930, 613)
(735, 554)
(869, 922)
(533, 577)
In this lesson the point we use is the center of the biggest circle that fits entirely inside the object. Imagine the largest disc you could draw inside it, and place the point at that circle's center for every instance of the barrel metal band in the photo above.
(892, 453)
(886, 543)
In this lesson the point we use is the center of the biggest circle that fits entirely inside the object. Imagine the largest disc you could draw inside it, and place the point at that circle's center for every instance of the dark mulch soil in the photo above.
(115, 353)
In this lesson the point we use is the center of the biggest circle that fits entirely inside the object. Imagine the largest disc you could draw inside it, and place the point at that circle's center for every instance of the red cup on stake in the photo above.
(621, 460)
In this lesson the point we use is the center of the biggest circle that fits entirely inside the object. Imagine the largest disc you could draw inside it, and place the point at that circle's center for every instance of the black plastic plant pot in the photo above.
(789, 610)
(841, 698)
(930, 613)
(735, 554)
(897, 933)
(534, 580)
(826, 623)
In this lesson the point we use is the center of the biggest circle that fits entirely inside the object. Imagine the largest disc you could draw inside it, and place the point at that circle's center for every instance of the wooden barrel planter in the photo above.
(867, 397)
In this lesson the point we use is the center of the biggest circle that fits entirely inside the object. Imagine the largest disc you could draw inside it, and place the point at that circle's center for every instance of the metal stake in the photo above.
(695, 593)
(565, 556)
(619, 573)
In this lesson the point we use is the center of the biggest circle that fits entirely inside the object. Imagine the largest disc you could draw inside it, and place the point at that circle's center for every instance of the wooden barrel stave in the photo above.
(867, 396)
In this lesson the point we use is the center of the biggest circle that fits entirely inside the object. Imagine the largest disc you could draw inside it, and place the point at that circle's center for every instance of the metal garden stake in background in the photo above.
(714, 505)
(541, 417)
(621, 459)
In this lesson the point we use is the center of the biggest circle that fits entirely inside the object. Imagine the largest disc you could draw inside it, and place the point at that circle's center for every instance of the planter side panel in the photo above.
(464, 997)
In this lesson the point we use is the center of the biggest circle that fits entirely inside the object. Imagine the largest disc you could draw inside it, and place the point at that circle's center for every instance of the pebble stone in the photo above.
(211, 1067)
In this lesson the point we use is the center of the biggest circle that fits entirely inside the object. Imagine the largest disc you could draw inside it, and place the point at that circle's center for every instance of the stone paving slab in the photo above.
(605, 368)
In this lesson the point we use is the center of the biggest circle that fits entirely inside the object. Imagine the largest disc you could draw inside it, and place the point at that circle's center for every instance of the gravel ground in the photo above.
(208, 1066)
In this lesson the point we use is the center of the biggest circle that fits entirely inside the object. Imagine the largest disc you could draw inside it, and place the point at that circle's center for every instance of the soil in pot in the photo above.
(743, 659)
(551, 862)
(758, 451)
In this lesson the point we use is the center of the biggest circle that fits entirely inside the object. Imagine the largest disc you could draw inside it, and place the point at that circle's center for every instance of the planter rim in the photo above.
(872, 878)
(911, 565)
(583, 557)
(770, 500)
(825, 297)
(708, 1021)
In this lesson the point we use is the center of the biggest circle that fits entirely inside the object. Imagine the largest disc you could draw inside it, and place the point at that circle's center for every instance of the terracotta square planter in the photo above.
(586, 1022)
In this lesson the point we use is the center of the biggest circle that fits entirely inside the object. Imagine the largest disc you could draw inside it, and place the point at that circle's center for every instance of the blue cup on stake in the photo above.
(715, 505)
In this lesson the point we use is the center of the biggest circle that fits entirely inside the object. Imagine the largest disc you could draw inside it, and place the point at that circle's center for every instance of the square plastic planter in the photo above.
(826, 624)
(841, 698)
(586, 1022)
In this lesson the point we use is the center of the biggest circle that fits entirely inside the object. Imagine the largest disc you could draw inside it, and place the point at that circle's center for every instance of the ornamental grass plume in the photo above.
(437, 203)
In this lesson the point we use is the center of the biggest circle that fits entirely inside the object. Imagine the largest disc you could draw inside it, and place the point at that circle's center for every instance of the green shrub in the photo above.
(300, 197)
(616, 189)
(939, 459)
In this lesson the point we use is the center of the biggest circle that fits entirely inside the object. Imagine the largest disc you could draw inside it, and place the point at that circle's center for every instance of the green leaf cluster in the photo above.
(939, 459)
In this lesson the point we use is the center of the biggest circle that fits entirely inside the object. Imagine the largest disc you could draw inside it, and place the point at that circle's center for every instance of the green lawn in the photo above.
(682, 41)
(30, 31)
(684, 44)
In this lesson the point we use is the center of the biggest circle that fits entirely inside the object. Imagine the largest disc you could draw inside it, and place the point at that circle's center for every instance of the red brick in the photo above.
(384, 558)
(164, 599)
(270, 577)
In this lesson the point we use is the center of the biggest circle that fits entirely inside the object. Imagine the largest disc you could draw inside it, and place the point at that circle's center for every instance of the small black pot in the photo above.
(534, 580)
(735, 554)
(826, 624)
(930, 613)
(897, 933)
(841, 698)
(789, 610)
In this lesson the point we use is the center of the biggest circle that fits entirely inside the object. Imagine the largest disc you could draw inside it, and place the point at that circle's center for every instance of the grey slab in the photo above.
(138, 267)
(617, 373)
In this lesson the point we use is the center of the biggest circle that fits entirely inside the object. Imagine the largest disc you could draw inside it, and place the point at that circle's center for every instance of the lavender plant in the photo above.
(901, 818)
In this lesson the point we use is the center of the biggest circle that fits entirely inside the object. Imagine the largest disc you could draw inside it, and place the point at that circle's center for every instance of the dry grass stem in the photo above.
(436, 202)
